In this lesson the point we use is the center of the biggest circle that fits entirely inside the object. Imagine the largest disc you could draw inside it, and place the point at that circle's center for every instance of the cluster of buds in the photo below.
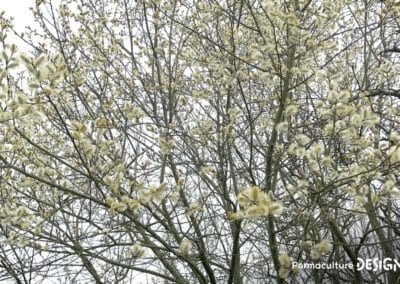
(255, 203)
(317, 250)
(285, 262)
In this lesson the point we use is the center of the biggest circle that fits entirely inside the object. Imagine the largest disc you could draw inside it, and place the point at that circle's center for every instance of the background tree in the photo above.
(200, 141)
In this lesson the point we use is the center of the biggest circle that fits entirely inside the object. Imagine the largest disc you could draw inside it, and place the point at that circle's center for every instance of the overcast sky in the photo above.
(19, 10)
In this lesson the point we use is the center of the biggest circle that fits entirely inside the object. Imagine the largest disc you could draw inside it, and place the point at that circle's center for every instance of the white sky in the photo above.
(22, 17)
(19, 10)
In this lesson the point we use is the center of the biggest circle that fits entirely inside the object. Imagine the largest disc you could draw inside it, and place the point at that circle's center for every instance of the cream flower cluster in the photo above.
(255, 203)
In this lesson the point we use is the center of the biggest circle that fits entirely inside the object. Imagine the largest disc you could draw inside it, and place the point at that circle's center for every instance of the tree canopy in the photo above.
(200, 141)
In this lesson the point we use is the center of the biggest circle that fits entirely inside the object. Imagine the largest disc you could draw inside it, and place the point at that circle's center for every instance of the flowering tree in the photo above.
(200, 141)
